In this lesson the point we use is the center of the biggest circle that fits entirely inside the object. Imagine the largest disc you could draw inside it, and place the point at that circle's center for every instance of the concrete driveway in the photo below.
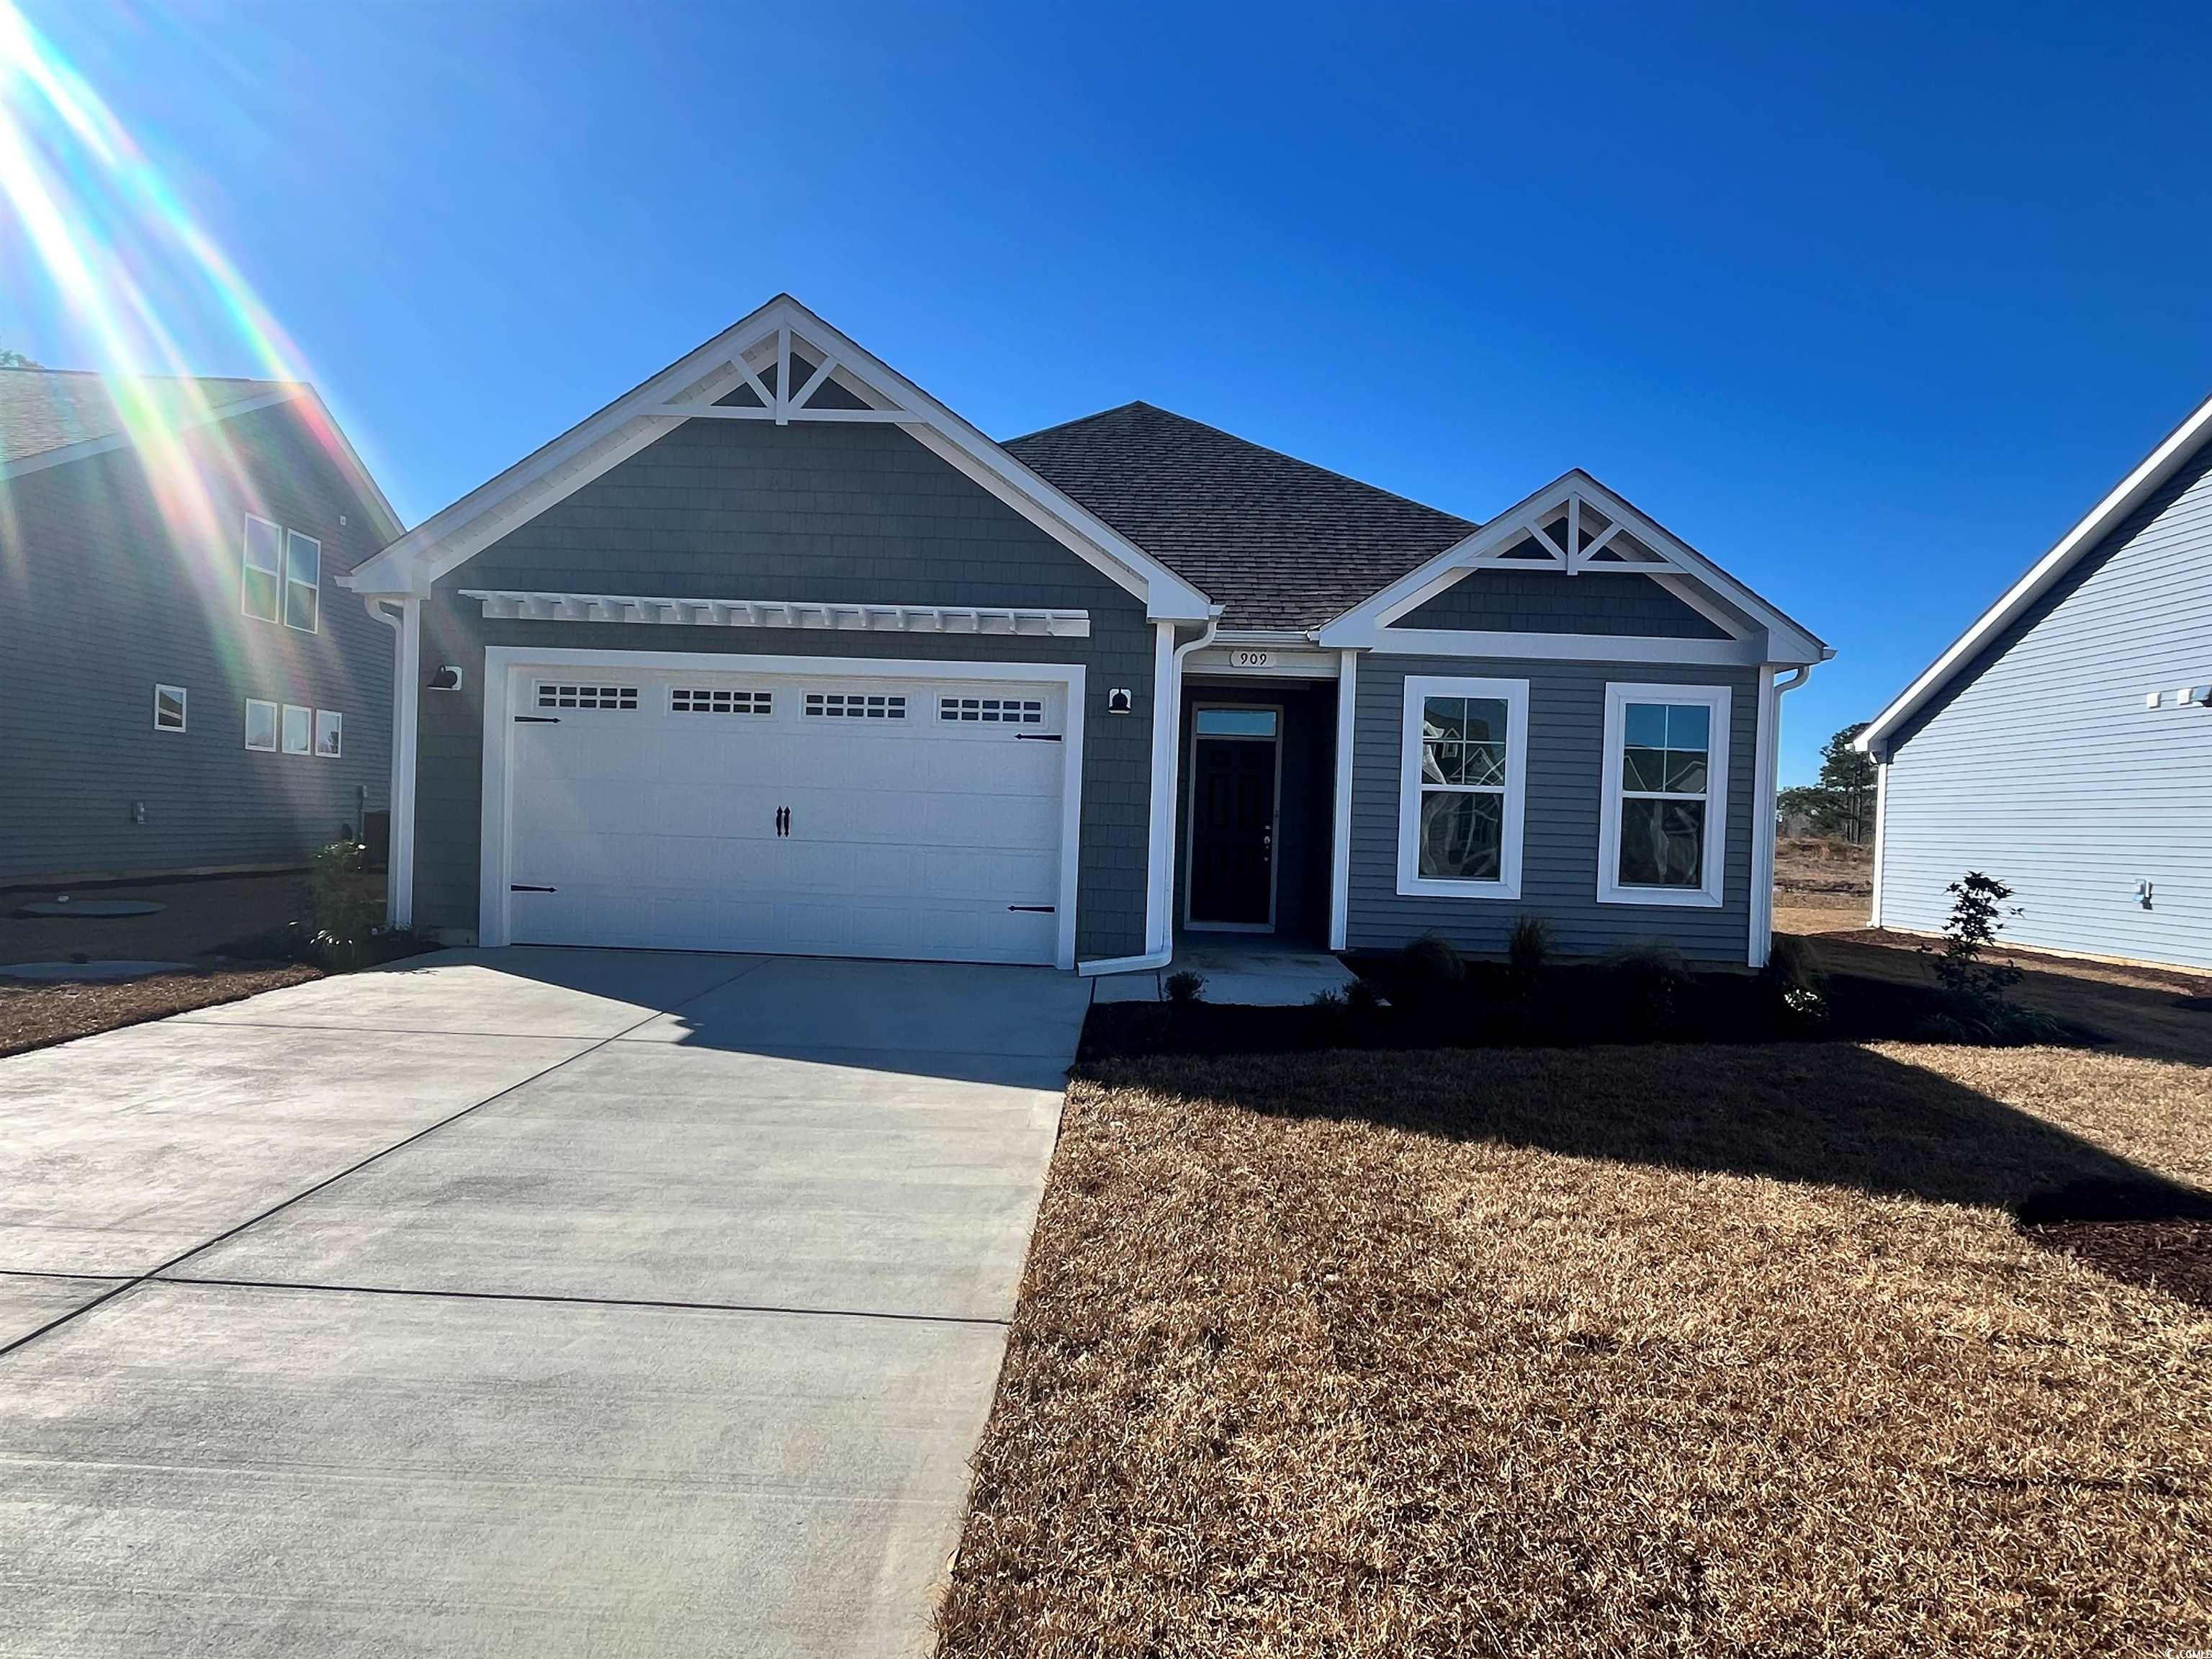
(532, 1301)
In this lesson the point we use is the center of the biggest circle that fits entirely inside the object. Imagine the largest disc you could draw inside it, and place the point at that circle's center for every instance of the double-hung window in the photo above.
(303, 580)
(1463, 767)
(1662, 835)
(261, 592)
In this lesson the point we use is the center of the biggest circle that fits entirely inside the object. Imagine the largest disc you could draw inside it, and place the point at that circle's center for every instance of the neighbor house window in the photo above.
(1662, 835)
(262, 586)
(168, 708)
(1462, 771)
(330, 732)
(303, 580)
(298, 724)
(260, 725)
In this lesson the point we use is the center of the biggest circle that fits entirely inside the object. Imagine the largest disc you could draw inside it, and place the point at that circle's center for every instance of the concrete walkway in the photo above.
(524, 1302)
(1253, 970)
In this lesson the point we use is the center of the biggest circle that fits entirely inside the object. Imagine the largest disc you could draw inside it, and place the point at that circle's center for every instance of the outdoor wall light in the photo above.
(1119, 702)
(447, 678)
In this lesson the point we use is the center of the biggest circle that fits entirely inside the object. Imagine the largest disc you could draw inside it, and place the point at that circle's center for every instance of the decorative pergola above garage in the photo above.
(509, 604)
(1572, 525)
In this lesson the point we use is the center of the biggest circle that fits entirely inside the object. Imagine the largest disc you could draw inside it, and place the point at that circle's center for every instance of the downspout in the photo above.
(406, 678)
(1160, 909)
(1767, 788)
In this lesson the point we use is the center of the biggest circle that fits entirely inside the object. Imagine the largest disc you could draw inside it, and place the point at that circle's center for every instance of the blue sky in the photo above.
(1868, 303)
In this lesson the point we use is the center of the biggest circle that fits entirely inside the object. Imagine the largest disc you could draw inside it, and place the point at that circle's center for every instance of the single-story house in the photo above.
(777, 653)
(2063, 743)
(186, 693)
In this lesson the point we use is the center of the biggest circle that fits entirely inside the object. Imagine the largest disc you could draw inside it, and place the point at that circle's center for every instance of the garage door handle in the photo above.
(518, 887)
(537, 719)
(1036, 737)
(1035, 909)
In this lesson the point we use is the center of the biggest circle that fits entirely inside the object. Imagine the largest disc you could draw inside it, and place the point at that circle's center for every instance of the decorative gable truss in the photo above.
(785, 365)
(1572, 525)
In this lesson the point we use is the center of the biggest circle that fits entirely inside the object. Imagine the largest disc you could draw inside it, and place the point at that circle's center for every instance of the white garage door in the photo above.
(828, 815)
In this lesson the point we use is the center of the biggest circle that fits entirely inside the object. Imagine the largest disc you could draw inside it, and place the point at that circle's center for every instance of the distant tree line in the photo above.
(1840, 806)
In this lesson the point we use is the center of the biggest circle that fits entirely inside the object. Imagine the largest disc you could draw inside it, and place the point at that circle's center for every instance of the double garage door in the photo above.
(823, 814)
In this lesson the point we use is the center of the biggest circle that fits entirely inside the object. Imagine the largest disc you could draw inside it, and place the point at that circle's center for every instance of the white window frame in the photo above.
(307, 730)
(315, 624)
(1515, 696)
(246, 564)
(1708, 894)
(184, 709)
(275, 725)
(337, 731)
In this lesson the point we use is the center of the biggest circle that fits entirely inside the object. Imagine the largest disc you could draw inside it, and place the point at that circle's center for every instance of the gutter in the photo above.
(1159, 958)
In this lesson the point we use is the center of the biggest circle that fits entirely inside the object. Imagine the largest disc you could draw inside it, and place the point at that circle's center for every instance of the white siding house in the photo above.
(2064, 744)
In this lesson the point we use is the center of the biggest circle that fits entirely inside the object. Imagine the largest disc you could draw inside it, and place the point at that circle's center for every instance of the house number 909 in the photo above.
(1241, 658)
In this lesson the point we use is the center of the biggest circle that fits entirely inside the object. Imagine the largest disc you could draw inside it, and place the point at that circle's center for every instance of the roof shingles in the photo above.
(43, 409)
(1282, 543)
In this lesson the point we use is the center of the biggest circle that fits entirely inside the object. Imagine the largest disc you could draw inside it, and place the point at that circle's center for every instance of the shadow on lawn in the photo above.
(1830, 1113)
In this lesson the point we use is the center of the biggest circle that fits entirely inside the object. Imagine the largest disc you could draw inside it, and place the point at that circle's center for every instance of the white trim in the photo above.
(1368, 625)
(276, 726)
(1881, 837)
(2150, 475)
(284, 730)
(1515, 694)
(1265, 659)
(1274, 815)
(1340, 851)
(504, 666)
(514, 605)
(1568, 647)
(1711, 892)
(1159, 842)
(337, 731)
(1764, 768)
(246, 565)
(649, 410)
(288, 582)
(184, 708)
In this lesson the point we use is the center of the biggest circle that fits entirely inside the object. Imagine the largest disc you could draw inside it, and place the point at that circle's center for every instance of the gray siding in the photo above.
(100, 598)
(2040, 764)
(1547, 602)
(1558, 868)
(831, 512)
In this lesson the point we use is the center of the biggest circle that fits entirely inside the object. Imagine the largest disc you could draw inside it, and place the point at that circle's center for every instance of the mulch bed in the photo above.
(37, 1017)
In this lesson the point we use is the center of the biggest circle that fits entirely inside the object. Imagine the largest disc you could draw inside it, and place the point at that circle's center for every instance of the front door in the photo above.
(1232, 817)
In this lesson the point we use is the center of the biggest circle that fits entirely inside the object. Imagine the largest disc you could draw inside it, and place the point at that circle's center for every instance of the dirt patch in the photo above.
(35, 1017)
(198, 919)
(1432, 1354)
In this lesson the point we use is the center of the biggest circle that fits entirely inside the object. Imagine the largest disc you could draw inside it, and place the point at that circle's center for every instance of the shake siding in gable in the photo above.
(1559, 878)
(808, 512)
(101, 597)
(2040, 766)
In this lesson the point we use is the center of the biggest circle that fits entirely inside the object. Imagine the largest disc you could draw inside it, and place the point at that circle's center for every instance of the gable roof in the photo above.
(1282, 543)
(2150, 475)
(51, 417)
(747, 371)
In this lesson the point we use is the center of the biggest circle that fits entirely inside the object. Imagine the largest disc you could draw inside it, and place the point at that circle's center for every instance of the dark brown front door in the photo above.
(1232, 830)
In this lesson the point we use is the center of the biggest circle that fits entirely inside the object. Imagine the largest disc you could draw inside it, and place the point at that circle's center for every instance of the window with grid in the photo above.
(261, 589)
(1666, 795)
(855, 706)
(991, 711)
(688, 700)
(1460, 771)
(550, 695)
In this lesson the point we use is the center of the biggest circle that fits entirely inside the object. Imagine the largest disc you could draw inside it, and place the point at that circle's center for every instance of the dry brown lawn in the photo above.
(1611, 1352)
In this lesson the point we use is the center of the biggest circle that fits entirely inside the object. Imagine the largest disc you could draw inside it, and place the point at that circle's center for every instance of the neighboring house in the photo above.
(2064, 743)
(187, 688)
(776, 652)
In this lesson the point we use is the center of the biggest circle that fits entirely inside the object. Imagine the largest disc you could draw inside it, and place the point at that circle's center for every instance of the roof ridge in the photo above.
(179, 379)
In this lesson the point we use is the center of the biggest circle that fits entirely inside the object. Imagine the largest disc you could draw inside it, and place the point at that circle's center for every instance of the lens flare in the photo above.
(91, 221)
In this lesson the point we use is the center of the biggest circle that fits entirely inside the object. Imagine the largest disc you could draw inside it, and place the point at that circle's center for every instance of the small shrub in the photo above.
(1649, 983)
(1435, 959)
(1528, 951)
(1977, 913)
(1793, 975)
(1362, 998)
(345, 898)
(1330, 1002)
(1186, 987)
